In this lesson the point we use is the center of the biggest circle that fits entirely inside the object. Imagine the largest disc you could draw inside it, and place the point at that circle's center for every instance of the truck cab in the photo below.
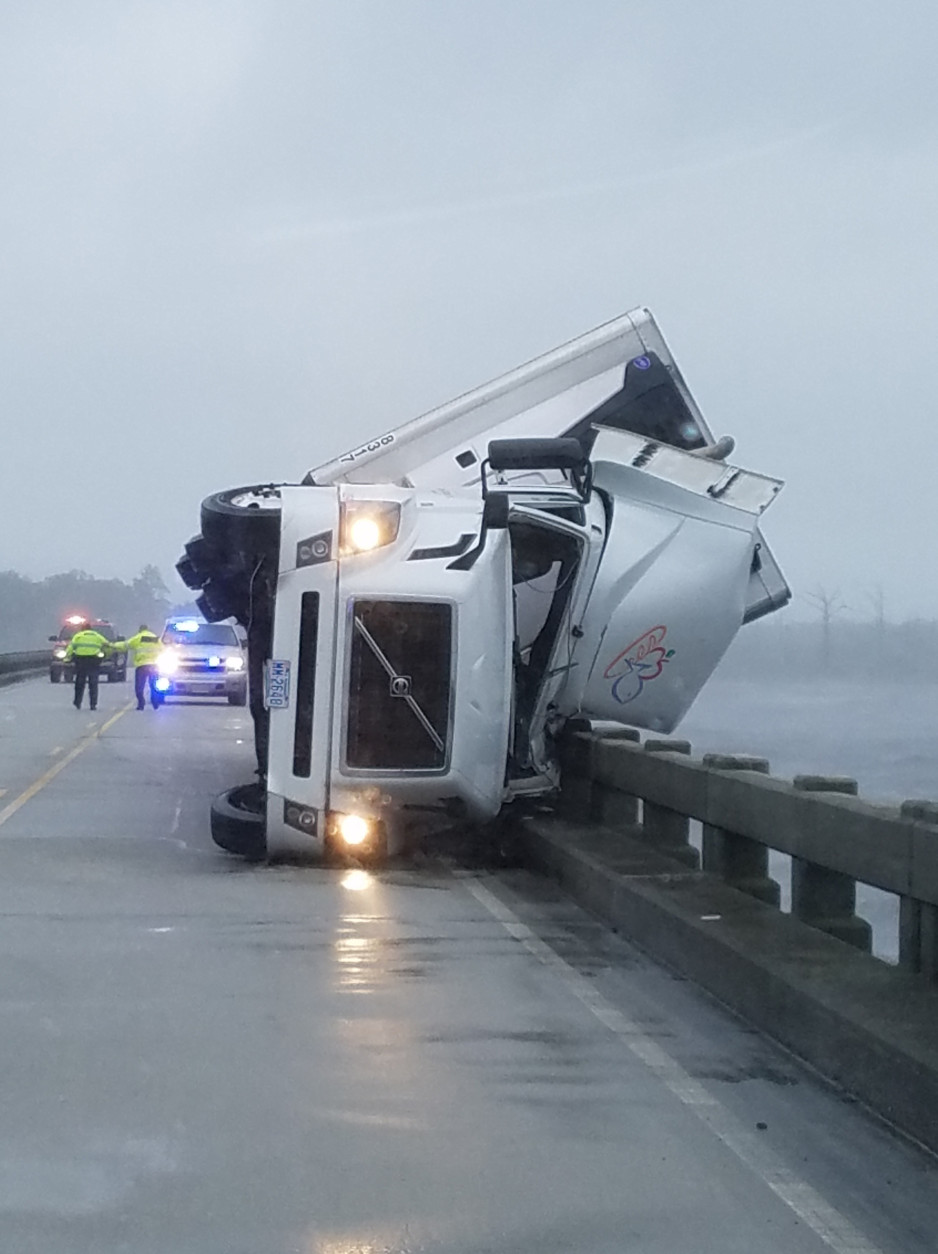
(426, 613)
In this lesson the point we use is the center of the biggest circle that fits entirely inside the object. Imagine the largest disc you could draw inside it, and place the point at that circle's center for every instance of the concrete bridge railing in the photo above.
(676, 854)
(654, 790)
(16, 666)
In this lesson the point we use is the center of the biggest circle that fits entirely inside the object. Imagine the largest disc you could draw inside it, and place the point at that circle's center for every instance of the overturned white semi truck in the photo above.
(427, 612)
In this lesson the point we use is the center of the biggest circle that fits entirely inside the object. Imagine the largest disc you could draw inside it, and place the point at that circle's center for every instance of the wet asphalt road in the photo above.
(201, 1057)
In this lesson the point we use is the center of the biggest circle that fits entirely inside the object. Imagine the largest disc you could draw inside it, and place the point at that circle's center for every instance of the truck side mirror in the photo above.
(560, 453)
(555, 453)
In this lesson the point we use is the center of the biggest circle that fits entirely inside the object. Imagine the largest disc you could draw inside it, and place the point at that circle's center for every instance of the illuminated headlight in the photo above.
(167, 663)
(368, 525)
(234, 663)
(162, 684)
(58, 654)
(352, 828)
(214, 660)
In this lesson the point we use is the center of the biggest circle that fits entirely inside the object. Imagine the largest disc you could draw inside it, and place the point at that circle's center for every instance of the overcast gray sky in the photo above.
(241, 236)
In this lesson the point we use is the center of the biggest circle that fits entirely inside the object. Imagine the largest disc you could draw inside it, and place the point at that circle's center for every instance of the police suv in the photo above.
(113, 665)
(203, 660)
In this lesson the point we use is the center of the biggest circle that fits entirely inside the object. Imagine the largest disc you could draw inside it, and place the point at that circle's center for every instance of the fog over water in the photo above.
(884, 735)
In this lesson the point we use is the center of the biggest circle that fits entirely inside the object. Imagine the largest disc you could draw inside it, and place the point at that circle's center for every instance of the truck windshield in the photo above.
(205, 633)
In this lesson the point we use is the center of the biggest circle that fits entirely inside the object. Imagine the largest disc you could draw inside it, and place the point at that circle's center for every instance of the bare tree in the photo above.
(877, 603)
(828, 604)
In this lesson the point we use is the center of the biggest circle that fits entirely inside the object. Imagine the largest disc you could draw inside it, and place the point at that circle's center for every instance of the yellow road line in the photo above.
(18, 802)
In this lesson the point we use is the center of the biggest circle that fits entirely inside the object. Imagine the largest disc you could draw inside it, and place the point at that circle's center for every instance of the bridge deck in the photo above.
(198, 1055)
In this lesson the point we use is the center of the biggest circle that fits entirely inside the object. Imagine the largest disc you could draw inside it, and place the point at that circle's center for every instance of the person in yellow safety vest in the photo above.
(86, 649)
(144, 648)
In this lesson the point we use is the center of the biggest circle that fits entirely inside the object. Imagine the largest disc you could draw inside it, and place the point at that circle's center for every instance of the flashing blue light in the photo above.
(215, 661)
(162, 685)
(186, 624)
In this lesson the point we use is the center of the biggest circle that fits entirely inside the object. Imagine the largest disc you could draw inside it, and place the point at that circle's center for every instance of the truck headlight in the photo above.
(234, 663)
(353, 829)
(368, 525)
(167, 663)
(58, 654)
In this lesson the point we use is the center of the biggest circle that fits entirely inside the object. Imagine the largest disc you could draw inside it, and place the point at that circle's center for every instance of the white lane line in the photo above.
(833, 1228)
(54, 753)
(175, 825)
(3, 792)
(18, 802)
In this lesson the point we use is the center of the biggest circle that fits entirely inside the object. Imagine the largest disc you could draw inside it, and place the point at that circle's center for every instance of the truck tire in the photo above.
(225, 598)
(237, 825)
(241, 526)
(238, 698)
(55, 674)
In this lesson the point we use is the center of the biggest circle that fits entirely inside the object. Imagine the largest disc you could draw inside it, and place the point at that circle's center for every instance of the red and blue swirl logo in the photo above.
(638, 664)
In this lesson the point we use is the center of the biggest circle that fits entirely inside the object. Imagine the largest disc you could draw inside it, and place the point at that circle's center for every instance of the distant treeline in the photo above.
(776, 647)
(32, 610)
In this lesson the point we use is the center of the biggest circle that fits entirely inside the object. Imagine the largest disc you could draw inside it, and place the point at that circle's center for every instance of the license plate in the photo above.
(276, 684)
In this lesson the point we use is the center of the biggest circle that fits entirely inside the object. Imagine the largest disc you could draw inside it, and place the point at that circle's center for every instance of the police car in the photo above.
(113, 666)
(202, 660)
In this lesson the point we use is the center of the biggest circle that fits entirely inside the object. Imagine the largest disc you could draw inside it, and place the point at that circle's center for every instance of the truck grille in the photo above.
(400, 686)
(199, 666)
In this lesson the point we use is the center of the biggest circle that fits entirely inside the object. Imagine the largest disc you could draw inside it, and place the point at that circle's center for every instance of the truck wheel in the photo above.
(225, 598)
(197, 563)
(242, 525)
(55, 674)
(122, 675)
(238, 822)
(238, 698)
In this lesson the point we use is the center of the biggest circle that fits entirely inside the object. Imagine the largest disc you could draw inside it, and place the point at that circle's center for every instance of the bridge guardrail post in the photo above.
(738, 860)
(668, 830)
(918, 920)
(611, 807)
(823, 898)
(576, 782)
(582, 795)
